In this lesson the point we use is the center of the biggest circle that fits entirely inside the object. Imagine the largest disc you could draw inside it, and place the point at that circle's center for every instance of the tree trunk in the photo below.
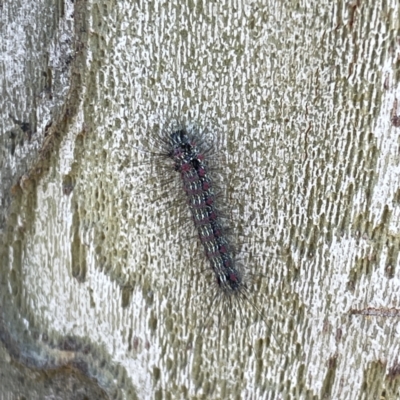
(105, 290)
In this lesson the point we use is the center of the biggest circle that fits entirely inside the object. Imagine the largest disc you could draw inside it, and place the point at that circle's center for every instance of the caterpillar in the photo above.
(190, 162)
(190, 155)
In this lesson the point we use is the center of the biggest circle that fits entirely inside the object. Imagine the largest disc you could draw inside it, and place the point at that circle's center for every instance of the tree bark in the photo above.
(102, 274)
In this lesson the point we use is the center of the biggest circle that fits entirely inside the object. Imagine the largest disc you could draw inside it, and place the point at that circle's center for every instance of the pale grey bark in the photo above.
(97, 271)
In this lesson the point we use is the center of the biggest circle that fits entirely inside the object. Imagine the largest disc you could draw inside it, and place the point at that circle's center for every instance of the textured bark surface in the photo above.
(102, 293)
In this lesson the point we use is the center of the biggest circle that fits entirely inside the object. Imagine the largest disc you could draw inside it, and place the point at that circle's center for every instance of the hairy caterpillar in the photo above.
(188, 154)
(190, 162)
